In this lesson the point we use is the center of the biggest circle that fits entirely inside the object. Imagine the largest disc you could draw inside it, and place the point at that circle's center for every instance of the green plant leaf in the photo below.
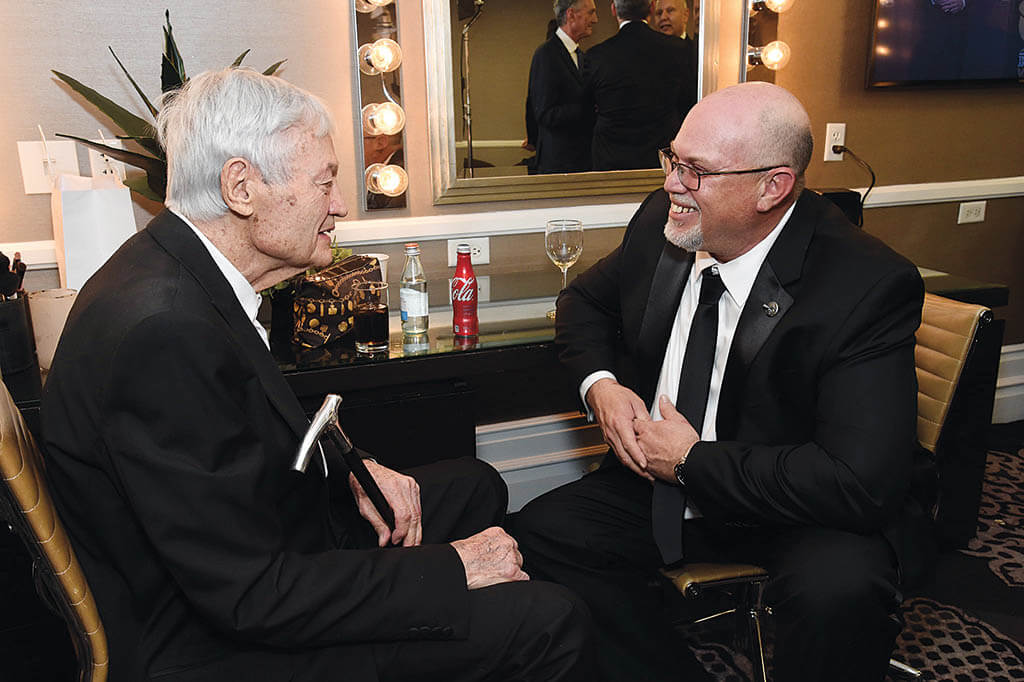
(140, 185)
(149, 105)
(238, 62)
(126, 120)
(150, 164)
(172, 66)
(272, 69)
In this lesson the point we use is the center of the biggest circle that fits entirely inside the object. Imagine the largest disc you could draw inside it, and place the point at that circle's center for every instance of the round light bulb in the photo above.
(775, 55)
(364, 7)
(380, 3)
(778, 6)
(382, 56)
(389, 180)
(386, 118)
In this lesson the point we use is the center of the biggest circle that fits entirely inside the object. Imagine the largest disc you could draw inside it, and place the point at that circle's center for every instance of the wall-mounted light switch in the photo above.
(38, 168)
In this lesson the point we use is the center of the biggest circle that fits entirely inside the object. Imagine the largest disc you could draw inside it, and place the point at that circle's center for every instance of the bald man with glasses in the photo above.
(749, 356)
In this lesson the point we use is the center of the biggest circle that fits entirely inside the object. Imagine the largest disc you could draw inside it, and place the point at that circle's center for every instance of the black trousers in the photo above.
(832, 592)
(528, 631)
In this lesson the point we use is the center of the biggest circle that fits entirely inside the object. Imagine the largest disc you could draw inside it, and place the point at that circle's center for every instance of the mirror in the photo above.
(498, 79)
(378, 60)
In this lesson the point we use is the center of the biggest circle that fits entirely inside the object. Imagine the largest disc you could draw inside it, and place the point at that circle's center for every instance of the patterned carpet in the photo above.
(1000, 536)
(945, 642)
(942, 641)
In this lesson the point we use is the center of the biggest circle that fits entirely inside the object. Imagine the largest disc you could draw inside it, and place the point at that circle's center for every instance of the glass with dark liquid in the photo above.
(371, 315)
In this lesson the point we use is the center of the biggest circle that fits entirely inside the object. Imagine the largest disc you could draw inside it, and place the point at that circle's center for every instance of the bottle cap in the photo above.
(412, 249)
(463, 248)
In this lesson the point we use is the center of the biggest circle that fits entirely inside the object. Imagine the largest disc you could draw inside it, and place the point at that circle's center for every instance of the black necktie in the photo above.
(579, 58)
(668, 503)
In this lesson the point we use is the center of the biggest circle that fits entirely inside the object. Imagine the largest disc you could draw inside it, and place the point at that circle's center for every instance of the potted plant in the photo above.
(153, 184)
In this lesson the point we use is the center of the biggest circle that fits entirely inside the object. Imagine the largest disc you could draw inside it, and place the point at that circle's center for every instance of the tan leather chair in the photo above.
(26, 505)
(948, 332)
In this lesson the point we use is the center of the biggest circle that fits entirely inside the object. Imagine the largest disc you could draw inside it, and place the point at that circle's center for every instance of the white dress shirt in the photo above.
(570, 45)
(248, 297)
(738, 276)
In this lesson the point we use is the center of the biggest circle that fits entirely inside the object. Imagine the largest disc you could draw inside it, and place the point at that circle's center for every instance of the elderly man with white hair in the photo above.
(169, 435)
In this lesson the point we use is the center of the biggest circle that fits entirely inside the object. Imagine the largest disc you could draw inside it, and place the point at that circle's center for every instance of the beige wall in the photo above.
(908, 136)
(913, 136)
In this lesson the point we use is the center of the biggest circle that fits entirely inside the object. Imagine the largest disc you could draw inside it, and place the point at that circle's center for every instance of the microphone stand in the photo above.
(467, 116)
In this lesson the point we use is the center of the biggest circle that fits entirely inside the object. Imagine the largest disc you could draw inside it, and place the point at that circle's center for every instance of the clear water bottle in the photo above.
(413, 293)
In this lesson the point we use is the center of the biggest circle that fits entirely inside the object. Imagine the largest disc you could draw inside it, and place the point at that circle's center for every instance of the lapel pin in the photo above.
(771, 308)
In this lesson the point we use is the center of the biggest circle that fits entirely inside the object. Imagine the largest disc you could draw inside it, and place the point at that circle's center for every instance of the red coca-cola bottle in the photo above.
(464, 320)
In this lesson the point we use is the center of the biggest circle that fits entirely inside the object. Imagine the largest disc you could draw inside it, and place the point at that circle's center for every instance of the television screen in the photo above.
(921, 42)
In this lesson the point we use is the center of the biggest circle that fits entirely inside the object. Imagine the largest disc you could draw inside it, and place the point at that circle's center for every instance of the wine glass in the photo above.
(563, 241)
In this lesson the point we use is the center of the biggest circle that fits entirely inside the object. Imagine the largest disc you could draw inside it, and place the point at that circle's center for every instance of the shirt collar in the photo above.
(738, 275)
(569, 43)
(247, 297)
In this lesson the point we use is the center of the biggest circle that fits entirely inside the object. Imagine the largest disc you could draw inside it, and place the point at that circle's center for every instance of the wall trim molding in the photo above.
(40, 254)
(523, 221)
(942, 192)
(1009, 403)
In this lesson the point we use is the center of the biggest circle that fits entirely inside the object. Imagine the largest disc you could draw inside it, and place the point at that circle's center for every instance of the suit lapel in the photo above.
(566, 58)
(659, 313)
(182, 244)
(771, 297)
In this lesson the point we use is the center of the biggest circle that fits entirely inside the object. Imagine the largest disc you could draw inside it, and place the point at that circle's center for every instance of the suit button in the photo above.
(448, 631)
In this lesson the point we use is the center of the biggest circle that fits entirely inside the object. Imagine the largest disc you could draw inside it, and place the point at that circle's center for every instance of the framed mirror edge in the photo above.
(448, 188)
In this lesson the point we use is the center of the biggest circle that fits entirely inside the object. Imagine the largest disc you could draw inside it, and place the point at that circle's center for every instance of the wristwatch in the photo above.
(678, 469)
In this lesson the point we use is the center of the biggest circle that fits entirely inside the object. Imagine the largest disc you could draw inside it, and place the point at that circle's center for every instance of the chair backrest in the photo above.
(944, 340)
(26, 504)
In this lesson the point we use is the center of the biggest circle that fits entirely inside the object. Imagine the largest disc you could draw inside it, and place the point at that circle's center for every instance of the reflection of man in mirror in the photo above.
(672, 17)
(641, 83)
(386, 149)
(555, 94)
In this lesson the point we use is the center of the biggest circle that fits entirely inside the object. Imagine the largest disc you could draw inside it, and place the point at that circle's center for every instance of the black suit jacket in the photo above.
(642, 84)
(816, 420)
(169, 434)
(563, 118)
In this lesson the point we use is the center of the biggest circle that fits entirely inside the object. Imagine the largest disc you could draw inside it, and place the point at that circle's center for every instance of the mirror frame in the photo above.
(449, 188)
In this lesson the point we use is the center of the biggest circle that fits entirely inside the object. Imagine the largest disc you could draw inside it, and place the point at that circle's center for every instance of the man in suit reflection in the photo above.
(641, 83)
(801, 457)
(671, 17)
(559, 109)
(170, 434)
(385, 149)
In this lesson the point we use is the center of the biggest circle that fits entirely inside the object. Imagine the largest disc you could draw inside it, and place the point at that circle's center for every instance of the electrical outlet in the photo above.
(101, 164)
(835, 133)
(971, 212)
(479, 254)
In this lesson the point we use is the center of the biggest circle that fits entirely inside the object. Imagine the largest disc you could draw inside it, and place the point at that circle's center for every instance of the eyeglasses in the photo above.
(690, 176)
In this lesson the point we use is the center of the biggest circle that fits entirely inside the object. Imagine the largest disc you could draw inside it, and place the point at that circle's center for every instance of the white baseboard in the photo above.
(1009, 404)
(537, 455)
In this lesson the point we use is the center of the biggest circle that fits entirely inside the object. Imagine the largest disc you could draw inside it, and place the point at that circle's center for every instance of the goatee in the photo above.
(691, 239)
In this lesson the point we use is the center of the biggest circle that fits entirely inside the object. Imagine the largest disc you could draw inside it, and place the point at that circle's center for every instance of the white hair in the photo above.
(235, 112)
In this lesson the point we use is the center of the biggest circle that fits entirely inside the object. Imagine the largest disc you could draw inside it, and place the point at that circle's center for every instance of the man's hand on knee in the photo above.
(616, 408)
(490, 557)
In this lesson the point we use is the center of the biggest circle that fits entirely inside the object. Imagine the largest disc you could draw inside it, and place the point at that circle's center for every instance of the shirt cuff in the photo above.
(589, 381)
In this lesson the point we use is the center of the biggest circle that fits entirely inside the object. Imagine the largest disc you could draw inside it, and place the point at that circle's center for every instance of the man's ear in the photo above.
(238, 179)
(776, 188)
